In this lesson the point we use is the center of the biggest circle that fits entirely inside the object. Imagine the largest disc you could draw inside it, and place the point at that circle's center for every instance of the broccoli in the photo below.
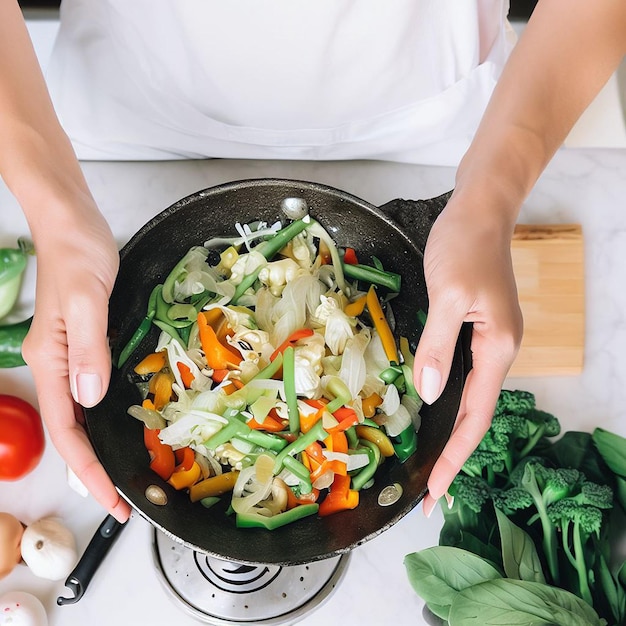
(548, 487)
(516, 428)
(578, 520)
(471, 517)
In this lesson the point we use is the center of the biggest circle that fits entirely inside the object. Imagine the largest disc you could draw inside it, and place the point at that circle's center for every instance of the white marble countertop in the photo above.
(585, 186)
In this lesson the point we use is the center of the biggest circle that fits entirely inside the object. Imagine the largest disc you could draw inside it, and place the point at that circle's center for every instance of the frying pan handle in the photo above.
(416, 217)
(98, 547)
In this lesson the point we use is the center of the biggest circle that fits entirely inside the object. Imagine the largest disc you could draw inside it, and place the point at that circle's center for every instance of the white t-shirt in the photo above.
(402, 80)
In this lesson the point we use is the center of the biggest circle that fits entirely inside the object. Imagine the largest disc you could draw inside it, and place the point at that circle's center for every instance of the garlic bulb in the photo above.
(49, 549)
(19, 608)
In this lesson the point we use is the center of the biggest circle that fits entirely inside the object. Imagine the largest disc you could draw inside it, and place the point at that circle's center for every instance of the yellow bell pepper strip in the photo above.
(340, 497)
(269, 248)
(355, 308)
(296, 336)
(142, 330)
(373, 276)
(381, 325)
(317, 433)
(213, 486)
(183, 479)
(217, 355)
(370, 404)
(254, 520)
(151, 363)
(162, 460)
(289, 381)
(376, 436)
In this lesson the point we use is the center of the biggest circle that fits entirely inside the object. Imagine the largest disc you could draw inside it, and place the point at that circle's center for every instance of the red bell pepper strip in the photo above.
(346, 417)
(294, 500)
(340, 497)
(292, 340)
(162, 456)
(349, 256)
(184, 458)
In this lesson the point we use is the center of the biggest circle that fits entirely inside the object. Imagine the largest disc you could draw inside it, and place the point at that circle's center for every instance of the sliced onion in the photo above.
(152, 419)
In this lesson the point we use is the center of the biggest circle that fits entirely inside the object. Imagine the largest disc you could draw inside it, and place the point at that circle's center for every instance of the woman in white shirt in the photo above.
(401, 80)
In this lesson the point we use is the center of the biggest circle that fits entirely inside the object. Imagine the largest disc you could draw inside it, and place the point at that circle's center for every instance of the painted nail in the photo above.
(449, 500)
(87, 389)
(429, 506)
(431, 384)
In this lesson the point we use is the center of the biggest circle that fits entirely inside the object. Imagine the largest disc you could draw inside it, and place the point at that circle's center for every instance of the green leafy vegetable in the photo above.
(541, 511)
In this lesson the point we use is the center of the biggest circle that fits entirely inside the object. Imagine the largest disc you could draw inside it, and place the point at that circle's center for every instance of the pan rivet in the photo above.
(294, 208)
(390, 494)
(156, 495)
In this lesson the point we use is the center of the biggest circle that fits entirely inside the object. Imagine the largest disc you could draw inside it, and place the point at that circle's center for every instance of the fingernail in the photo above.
(429, 506)
(449, 500)
(431, 384)
(87, 389)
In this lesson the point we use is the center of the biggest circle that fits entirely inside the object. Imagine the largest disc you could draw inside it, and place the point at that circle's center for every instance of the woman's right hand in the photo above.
(67, 347)
(469, 277)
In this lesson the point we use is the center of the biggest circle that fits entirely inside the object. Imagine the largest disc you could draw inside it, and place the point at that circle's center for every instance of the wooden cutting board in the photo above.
(548, 261)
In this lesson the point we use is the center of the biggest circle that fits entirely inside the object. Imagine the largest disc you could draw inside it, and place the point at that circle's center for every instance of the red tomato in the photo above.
(22, 439)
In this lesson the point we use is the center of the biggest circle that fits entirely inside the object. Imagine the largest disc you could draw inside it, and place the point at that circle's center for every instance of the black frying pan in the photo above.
(396, 233)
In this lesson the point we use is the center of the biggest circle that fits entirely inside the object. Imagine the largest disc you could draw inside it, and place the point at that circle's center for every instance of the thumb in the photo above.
(435, 351)
(89, 356)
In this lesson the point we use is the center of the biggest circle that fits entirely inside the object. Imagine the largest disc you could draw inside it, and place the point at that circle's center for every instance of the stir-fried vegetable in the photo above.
(276, 381)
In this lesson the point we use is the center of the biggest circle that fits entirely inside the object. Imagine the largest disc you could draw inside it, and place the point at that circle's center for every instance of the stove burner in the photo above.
(235, 577)
(225, 593)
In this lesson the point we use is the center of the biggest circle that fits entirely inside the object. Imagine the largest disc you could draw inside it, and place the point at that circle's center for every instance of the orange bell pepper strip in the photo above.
(219, 375)
(354, 309)
(315, 452)
(151, 364)
(161, 387)
(218, 356)
(183, 478)
(337, 442)
(213, 486)
(272, 423)
(338, 468)
(292, 340)
(163, 460)
(185, 374)
(304, 498)
(381, 325)
(340, 497)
